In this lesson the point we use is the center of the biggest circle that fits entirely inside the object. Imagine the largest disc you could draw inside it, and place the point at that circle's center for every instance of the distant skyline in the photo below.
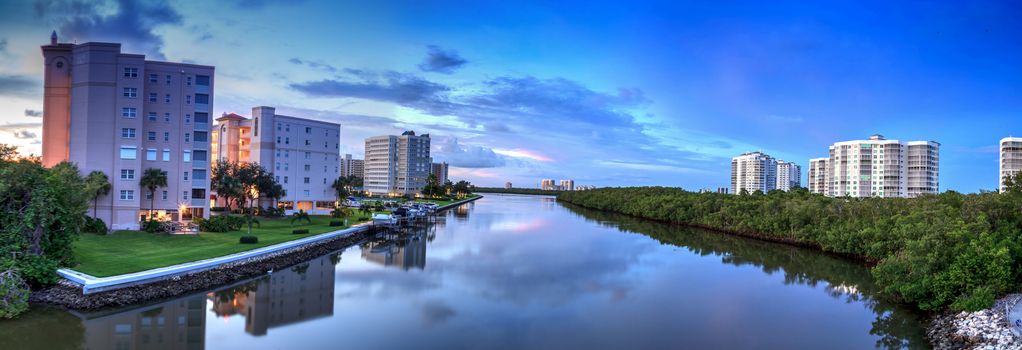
(605, 94)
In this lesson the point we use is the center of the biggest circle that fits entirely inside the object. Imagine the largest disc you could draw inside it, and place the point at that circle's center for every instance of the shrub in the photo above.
(38, 271)
(271, 212)
(300, 231)
(217, 209)
(94, 225)
(336, 223)
(249, 240)
(13, 294)
(221, 223)
(154, 226)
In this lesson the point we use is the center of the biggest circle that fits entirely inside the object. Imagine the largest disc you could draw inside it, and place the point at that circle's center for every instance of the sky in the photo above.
(605, 93)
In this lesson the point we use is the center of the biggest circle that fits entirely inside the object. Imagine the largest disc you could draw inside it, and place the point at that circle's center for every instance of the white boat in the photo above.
(384, 219)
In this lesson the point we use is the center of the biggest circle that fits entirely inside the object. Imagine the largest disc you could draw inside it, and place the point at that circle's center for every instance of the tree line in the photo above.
(935, 251)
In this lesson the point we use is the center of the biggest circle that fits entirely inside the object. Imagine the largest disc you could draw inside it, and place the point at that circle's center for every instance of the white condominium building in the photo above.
(819, 180)
(1011, 159)
(547, 184)
(789, 175)
(302, 154)
(121, 114)
(753, 171)
(352, 167)
(879, 167)
(567, 185)
(397, 165)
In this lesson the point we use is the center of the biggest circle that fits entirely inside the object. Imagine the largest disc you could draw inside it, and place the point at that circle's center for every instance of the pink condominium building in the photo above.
(302, 154)
(122, 114)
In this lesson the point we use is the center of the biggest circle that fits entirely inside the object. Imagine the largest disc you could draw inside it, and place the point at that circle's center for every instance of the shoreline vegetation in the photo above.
(936, 252)
(533, 191)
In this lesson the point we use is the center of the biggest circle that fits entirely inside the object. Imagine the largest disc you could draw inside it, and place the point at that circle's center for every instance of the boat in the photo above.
(384, 219)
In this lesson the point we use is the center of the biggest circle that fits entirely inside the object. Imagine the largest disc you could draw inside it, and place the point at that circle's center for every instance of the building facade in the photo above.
(879, 167)
(352, 167)
(819, 180)
(547, 184)
(302, 154)
(397, 165)
(789, 175)
(753, 171)
(439, 170)
(566, 185)
(121, 114)
(1010, 160)
(507, 185)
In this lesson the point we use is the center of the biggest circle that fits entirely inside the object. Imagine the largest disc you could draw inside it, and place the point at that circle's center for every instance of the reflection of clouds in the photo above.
(384, 283)
(517, 226)
(436, 312)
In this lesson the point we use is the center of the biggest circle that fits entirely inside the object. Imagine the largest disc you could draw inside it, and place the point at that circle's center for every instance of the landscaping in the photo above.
(132, 251)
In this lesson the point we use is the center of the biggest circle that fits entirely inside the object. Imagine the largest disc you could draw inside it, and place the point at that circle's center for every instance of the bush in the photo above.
(13, 294)
(249, 240)
(336, 223)
(94, 225)
(217, 209)
(154, 226)
(221, 223)
(271, 212)
(38, 271)
(300, 231)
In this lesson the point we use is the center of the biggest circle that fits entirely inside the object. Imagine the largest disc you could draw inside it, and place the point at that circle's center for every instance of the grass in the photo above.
(132, 251)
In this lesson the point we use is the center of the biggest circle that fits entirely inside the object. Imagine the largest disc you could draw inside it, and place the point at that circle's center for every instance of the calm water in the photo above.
(516, 272)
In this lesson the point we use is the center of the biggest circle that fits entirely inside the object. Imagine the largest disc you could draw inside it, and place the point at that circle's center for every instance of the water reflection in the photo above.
(405, 250)
(177, 324)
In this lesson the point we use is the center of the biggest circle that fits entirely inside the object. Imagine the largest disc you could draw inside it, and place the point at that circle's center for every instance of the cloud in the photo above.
(405, 89)
(466, 156)
(439, 60)
(14, 126)
(23, 134)
(435, 311)
(313, 64)
(33, 113)
(3, 46)
(130, 22)
(18, 85)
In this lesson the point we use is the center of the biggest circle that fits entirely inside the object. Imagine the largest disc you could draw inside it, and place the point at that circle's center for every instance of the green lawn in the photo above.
(132, 251)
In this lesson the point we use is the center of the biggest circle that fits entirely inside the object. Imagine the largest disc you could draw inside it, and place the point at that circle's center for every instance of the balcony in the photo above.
(202, 107)
(199, 202)
(200, 183)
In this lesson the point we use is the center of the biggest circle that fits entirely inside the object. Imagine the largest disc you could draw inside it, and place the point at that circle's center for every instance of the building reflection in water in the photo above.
(177, 324)
(296, 294)
(461, 211)
(403, 250)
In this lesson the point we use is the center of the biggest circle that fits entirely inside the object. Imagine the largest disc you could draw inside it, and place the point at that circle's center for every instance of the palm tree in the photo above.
(98, 185)
(153, 179)
(299, 216)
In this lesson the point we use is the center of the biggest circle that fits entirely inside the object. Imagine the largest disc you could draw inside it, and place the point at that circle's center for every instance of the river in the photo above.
(516, 272)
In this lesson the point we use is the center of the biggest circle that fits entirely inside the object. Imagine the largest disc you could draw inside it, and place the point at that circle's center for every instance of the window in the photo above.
(188, 118)
(188, 81)
(151, 136)
(306, 142)
(308, 130)
(306, 192)
(199, 155)
(164, 197)
(129, 112)
(306, 180)
(201, 117)
(202, 80)
(166, 98)
(306, 167)
(166, 155)
(166, 117)
(152, 97)
(130, 72)
(199, 136)
(326, 144)
(196, 193)
(127, 174)
(287, 140)
(153, 78)
(148, 195)
(184, 194)
(202, 98)
(128, 133)
(277, 167)
(150, 154)
(128, 152)
(168, 79)
(285, 179)
(152, 116)
(188, 137)
(198, 174)
(307, 154)
(256, 126)
(188, 99)
(278, 139)
(130, 92)
(187, 156)
(186, 179)
(166, 136)
(127, 195)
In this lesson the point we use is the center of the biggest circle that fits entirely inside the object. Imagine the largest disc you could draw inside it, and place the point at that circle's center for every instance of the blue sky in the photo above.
(608, 94)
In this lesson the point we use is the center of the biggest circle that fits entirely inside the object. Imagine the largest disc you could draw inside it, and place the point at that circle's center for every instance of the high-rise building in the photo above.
(1011, 159)
(396, 165)
(439, 170)
(819, 180)
(879, 167)
(352, 167)
(722, 190)
(302, 154)
(507, 185)
(567, 185)
(753, 171)
(121, 114)
(789, 175)
(547, 184)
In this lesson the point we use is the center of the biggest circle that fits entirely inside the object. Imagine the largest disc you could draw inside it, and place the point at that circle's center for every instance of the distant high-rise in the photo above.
(567, 185)
(439, 170)
(1011, 159)
(396, 165)
(547, 184)
(507, 185)
(819, 180)
(789, 175)
(352, 167)
(118, 113)
(753, 171)
(879, 167)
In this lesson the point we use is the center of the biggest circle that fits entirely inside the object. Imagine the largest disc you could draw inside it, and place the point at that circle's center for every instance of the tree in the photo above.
(462, 187)
(97, 185)
(432, 188)
(153, 179)
(1013, 183)
(299, 216)
(448, 187)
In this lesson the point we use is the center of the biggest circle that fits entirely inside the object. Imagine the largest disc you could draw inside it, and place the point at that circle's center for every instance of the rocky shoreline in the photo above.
(69, 295)
(984, 329)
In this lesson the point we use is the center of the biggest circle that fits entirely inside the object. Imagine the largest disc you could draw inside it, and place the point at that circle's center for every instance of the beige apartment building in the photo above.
(352, 167)
(396, 165)
(819, 180)
(547, 184)
(302, 154)
(439, 170)
(1010, 160)
(567, 185)
(753, 171)
(121, 114)
(879, 167)
(789, 175)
